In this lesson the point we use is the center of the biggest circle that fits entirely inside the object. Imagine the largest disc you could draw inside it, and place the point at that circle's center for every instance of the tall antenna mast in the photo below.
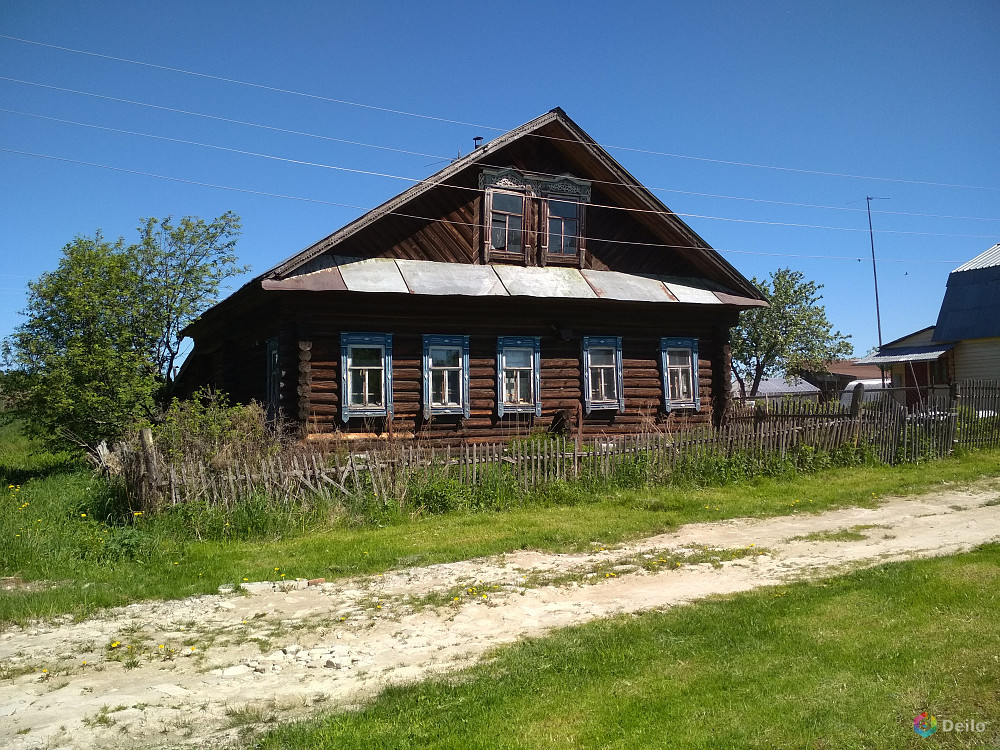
(871, 235)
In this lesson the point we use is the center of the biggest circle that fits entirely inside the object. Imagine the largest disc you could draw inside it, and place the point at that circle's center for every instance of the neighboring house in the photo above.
(775, 389)
(965, 342)
(970, 317)
(533, 284)
(832, 381)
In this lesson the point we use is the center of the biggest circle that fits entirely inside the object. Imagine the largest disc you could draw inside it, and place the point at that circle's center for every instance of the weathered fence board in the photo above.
(968, 417)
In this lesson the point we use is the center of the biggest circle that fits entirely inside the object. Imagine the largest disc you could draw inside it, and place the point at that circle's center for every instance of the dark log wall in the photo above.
(314, 358)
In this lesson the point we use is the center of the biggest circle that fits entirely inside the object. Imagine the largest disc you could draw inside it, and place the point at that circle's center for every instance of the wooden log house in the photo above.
(531, 285)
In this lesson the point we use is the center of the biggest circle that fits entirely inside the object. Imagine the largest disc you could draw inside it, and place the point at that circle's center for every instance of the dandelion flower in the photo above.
(83, 515)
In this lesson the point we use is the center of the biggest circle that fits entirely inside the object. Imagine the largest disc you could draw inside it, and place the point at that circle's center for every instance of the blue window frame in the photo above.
(446, 375)
(602, 373)
(519, 386)
(365, 375)
(679, 362)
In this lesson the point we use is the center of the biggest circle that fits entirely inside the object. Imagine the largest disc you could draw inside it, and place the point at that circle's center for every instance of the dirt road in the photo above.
(208, 670)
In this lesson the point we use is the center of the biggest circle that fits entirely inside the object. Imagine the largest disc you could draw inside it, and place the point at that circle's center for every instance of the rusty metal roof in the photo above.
(425, 277)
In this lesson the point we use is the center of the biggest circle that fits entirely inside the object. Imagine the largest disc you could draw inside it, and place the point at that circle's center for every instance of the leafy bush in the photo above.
(207, 428)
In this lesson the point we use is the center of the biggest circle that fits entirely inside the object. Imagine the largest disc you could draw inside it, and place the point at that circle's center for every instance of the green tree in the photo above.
(102, 334)
(788, 337)
(182, 268)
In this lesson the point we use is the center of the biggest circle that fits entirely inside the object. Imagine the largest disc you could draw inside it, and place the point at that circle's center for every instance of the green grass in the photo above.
(774, 668)
(74, 547)
(853, 534)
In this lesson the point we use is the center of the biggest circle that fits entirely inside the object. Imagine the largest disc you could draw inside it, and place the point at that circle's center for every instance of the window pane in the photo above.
(454, 389)
(564, 209)
(601, 356)
(437, 387)
(517, 357)
(510, 387)
(524, 391)
(513, 204)
(366, 356)
(602, 384)
(680, 385)
(498, 238)
(446, 357)
(597, 385)
(514, 241)
(679, 358)
(357, 387)
(374, 387)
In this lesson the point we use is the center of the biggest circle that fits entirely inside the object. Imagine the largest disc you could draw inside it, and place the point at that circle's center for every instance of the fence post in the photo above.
(954, 398)
(149, 462)
(857, 397)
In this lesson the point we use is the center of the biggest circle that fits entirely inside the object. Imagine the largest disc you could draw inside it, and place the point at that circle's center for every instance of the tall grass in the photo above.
(73, 542)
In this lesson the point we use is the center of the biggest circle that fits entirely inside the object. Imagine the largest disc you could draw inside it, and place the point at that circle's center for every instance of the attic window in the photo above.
(506, 222)
(527, 212)
(563, 218)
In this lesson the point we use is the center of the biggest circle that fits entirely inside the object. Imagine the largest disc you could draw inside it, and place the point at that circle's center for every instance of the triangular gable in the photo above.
(554, 130)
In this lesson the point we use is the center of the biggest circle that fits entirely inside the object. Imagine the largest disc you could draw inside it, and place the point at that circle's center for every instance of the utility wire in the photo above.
(225, 119)
(430, 182)
(442, 221)
(490, 127)
(445, 158)
(251, 84)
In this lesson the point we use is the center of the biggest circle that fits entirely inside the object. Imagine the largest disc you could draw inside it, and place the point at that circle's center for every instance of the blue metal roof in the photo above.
(971, 306)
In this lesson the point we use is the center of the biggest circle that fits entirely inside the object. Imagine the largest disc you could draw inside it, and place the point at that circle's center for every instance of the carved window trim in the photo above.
(349, 342)
(537, 190)
(672, 399)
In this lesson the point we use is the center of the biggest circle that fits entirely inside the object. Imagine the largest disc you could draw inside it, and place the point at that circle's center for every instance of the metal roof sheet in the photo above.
(624, 286)
(887, 356)
(524, 281)
(371, 275)
(779, 386)
(691, 294)
(425, 277)
(989, 259)
(971, 306)
(434, 277)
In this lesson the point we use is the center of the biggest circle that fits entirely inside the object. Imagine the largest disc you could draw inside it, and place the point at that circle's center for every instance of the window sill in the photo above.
(519, 408)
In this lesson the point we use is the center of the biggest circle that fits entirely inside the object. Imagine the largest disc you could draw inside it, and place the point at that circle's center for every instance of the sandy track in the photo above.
(278, 655)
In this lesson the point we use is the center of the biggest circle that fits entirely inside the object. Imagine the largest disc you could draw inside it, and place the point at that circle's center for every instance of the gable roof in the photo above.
(563, 133)
(971, 305)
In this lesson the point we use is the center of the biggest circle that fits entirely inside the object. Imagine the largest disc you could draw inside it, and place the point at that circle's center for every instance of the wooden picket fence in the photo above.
(883, 428)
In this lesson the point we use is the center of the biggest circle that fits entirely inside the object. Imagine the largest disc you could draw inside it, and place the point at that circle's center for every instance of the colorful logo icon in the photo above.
(925, 724)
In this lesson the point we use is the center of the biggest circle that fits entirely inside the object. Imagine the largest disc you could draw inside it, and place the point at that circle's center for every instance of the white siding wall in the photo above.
(920, 338)
(977, 358)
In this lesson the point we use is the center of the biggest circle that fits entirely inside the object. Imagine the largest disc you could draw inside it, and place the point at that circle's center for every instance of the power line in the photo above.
(427, 181)
(391, 110)
(438, 156)
(265, 87)
(443, 221)
(222, 119)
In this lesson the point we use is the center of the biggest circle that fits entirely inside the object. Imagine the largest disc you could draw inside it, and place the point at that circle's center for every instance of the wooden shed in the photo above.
(531, 285)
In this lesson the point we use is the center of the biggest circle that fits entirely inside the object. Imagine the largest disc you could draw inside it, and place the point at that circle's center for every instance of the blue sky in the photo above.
(686, 96)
